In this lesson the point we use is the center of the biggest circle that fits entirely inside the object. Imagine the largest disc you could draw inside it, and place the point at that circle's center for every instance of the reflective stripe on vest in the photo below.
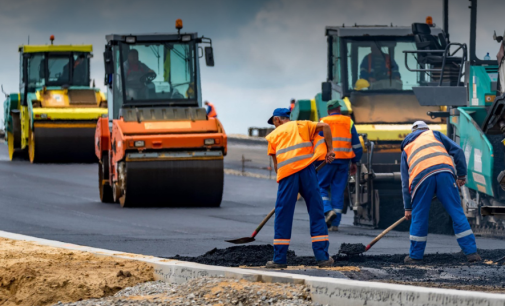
(320, 148)
(293, 152)
(424, 152)
(212, 113)
(340, 126)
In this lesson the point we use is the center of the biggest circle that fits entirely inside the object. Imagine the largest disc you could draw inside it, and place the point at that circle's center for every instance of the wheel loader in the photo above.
(158, 147)
(53, 117)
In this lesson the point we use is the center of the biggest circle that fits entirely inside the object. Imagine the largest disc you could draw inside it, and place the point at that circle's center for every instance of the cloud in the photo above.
(266, 52)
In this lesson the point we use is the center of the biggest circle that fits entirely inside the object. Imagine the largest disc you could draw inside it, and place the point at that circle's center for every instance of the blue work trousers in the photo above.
(444, 186)
(332, 183)
(305, 183)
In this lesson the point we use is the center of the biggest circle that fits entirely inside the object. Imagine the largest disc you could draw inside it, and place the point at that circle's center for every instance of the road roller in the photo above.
(158, 147)
(53, 117)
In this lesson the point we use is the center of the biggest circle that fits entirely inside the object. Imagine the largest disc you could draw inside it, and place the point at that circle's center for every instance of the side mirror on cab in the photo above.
(108, 61)
(326, 91)
(209, 56)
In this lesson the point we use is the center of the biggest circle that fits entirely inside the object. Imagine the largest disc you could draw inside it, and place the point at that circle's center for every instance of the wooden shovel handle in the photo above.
(258, 229)
(384, 233)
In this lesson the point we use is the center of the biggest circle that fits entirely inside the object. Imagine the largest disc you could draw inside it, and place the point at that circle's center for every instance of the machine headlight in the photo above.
(43, 116)
(130, 39)
(139, 143)
(209, 141)
(186, 38)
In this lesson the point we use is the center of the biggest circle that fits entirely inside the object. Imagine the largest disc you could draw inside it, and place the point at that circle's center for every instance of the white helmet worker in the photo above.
(420, 125)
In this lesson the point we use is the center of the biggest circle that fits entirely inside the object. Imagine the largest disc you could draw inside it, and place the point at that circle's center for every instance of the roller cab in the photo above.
(158, 147)
(53, 118)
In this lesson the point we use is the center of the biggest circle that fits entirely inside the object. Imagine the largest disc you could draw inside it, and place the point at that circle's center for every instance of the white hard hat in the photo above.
(419, 125)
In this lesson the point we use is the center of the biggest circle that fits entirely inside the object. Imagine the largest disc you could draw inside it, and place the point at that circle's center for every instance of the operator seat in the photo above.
(426, 41)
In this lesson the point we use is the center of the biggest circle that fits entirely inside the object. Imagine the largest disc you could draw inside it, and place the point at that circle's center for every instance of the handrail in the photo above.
(445, 56)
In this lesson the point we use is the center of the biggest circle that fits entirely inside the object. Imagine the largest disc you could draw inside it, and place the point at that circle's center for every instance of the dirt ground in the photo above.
(32, 274)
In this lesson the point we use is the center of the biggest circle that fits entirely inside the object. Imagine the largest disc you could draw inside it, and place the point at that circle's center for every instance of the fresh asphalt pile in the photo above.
(449, 270)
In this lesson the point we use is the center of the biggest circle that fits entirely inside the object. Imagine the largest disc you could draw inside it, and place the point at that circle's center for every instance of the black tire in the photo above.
(104, 188)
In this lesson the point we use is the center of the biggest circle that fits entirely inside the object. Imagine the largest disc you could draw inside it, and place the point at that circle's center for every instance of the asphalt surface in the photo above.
(60, 202)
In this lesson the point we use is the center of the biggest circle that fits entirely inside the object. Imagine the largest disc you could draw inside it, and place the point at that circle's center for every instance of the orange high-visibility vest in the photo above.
(293, 147)
(388, 63)
(212, 113)
(424, 152)
(342, 137)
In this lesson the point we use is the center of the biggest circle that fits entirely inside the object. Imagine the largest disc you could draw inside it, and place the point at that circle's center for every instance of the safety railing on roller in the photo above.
(440, 75)
(436, 61)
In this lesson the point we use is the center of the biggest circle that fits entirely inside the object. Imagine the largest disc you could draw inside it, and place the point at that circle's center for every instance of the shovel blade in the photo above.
(241, 240)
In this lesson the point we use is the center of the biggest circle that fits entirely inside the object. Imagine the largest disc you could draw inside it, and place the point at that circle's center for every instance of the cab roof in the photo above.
(55, 48)
(374, 30)
(148, 37)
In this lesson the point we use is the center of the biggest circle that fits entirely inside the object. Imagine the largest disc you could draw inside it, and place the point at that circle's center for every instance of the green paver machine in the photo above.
(475, 95)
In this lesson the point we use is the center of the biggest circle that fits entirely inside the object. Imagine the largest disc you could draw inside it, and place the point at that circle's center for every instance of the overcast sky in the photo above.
(266, 51)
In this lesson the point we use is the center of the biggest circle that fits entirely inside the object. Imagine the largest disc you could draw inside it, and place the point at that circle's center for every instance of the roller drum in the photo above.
(179, 183)
(69, 144)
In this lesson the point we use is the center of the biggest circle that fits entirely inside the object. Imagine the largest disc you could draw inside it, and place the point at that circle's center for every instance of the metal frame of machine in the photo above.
(163, 152)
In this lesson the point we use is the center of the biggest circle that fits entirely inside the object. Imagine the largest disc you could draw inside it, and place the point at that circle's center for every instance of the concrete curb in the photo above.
(324, 290)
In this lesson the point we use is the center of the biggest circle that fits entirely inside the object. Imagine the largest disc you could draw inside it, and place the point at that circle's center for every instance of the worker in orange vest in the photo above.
(427, 169)
(378, 65)
(211, 110)
(348, 150)
(291, 148)
(292, 105)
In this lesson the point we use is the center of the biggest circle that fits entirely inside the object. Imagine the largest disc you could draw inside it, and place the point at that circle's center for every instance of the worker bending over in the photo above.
(348, 151)
(427, 169)
(211, 110)
(291, 148)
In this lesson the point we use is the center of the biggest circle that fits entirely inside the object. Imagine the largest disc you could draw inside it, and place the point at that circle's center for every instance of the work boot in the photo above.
(333, 228)
(410, 260)
(325, 263)
(272, 265)
(473, 257)
(329, 217)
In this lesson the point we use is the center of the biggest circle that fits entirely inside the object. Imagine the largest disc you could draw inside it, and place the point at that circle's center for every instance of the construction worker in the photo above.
(427, 169)
(136, 76)
(378, 65)
(348, 150)
(211, 110)
(291, 148)
(292, 105)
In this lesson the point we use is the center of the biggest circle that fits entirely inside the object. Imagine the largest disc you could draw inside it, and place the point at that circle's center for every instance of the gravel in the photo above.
(207, 291)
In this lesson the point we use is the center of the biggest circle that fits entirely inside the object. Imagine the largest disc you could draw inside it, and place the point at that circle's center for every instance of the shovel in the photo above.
(356, 249)
(257, 230)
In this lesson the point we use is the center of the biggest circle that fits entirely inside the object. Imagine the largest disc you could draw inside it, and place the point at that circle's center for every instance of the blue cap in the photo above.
(279, 112)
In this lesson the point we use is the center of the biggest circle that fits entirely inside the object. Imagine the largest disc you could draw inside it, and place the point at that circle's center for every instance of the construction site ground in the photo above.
(60, 202)
(31, 274)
